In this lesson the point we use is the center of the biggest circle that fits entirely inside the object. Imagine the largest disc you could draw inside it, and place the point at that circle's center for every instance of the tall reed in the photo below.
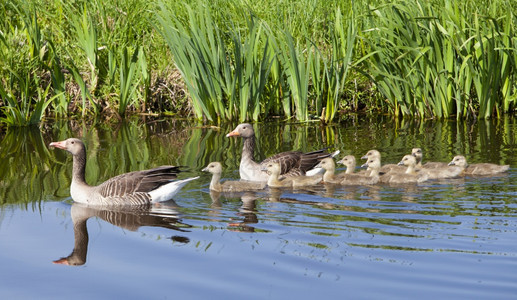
(297, 68)
(336, 67)
(128, 79)
(86, 34)
(225, 78)
(199, 54)
(437, 66)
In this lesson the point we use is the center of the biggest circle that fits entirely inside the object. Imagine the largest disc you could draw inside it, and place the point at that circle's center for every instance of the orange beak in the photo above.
(233, 133)
(60, 145)
(61, 261)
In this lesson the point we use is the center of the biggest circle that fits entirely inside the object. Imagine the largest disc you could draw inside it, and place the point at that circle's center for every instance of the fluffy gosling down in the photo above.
(229, 186)
(274, 179)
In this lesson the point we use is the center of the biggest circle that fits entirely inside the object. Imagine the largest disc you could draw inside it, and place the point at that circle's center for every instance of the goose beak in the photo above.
(204, 169)
(60, 145)
(364, 157)
(400, 163)
(451, 163)
(61, 261)
(365, 165)
(233, 133)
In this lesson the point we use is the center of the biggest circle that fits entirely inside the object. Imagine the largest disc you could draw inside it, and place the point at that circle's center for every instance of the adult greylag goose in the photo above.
(344, 178)
(133, 188)
(229, 186)
(410, 161)
(292, 163)
(374, 163)
(387, 168)
(479, 168)
(417, 153)
(273, 170)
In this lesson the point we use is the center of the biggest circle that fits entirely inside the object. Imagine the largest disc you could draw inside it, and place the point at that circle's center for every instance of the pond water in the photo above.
(449, 239)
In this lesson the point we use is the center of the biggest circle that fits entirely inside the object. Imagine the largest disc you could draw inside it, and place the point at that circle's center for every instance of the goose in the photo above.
(417, 153)
(387, 168)
(273, 170)
(479, 168)
(433, 173)
(374, 163)
(344, 178)
(229, 186)
(349, 162)
(133, 188)
(330, 167)
(292, 163)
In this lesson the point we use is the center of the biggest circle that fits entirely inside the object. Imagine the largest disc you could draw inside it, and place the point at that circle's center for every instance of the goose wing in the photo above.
(137, 181)
(287, 160)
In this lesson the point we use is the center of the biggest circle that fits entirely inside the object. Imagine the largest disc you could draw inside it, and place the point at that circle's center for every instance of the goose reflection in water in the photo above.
(247, 210)
(131, 218)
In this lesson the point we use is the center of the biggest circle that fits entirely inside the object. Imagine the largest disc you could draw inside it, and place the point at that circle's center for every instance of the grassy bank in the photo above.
(253, 60)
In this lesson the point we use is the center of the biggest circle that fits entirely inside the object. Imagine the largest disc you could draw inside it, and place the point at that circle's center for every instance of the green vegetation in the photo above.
(253, 60)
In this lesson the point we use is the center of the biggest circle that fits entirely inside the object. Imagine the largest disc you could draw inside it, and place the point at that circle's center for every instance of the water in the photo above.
(449, 239)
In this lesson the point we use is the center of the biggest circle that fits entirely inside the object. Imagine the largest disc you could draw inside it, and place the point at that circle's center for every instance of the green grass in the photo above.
(255, 60)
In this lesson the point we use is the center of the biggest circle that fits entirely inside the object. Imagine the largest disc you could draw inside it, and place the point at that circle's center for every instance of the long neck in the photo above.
(248, 148)
(79, 166)
(215, 185)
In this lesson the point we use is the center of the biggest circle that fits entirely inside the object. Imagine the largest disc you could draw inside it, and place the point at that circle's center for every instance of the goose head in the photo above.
(214, 168)
(327, 163)
(417, 153)
(408, 160)
(348, 161)
(459, 160)
(272, 169)
(72, 145)
(371, 153)
(244, 130)
(373, 163)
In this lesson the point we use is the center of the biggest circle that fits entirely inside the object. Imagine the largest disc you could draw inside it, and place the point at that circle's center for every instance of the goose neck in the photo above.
(248, 148)
(328, 175)
(79, 166)
(215, 184)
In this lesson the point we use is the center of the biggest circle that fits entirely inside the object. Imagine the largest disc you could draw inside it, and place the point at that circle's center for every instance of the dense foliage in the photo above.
(251, 60)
